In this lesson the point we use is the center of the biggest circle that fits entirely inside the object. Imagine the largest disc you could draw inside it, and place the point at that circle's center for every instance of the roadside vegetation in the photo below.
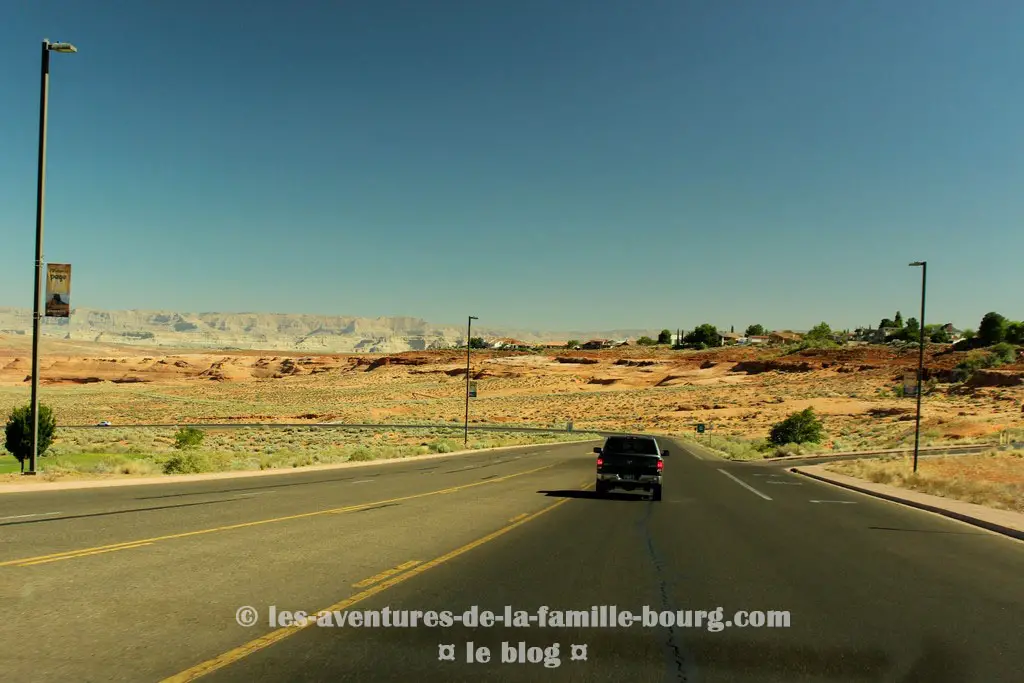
(122, 451)
(18, 432)
(994, 479)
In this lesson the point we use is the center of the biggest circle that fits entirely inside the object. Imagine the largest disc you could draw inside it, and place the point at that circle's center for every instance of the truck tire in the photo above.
(656, 493)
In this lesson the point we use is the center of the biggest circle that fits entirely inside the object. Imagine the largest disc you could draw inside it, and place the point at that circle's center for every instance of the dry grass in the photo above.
(653, 390)
(994, 479)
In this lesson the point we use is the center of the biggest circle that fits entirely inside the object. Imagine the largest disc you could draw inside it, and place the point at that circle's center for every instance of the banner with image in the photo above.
(58, 290)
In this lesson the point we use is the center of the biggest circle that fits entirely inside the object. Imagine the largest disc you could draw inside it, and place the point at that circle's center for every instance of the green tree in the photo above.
(992, 329)
(936, 334)
(572, 343)
(665, 337)
(886, 322)
(477, 343)
(706, 334)
(820, 332)
(756, 331)
(646, 341)
(800, 427)
(18, 432)
(1015, 332)
(188, 437)
(898, 320)
(912, 330)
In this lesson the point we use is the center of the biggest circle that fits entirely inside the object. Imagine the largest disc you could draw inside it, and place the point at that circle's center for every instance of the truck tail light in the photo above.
(600, 461)
(661, 465)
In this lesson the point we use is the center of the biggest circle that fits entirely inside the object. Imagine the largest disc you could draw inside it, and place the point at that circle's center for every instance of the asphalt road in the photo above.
(142, 583)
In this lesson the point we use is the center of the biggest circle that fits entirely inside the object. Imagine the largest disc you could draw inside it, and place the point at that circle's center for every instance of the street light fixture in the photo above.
(920, 359)
(469, 345)
(44, 83)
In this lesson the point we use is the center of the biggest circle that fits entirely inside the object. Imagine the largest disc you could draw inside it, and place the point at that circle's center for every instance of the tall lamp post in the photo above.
(920, 360)
(469, 345)
(44, 83)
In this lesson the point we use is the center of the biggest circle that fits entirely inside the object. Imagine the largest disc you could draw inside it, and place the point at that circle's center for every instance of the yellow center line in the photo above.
(385, 574)
(94, 552)
(239, 653)
(82, 552)
(518, 517)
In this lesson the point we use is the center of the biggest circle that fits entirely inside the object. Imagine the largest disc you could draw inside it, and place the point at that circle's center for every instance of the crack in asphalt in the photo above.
(676, 670)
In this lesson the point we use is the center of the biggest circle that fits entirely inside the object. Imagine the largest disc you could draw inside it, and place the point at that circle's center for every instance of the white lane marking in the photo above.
(744, 485)
(841, 502)
(786, 483)
(767, 475)
(362, 481)
(34, 514)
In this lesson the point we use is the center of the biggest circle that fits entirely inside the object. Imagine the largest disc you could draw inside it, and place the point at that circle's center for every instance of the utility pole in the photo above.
(920, 360)
(469, 345)
(37, 314)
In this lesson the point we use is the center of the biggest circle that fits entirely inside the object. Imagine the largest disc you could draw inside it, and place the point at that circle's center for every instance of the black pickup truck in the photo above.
(630, 463)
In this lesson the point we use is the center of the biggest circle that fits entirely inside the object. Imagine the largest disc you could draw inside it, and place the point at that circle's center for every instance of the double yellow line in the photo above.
(128, 545)
(242, 651)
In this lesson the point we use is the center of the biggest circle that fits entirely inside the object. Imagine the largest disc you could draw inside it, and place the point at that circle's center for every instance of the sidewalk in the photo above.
(83, 483)
(1000, 521)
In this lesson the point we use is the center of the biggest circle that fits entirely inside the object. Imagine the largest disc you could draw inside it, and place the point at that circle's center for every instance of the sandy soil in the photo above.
(742, 391)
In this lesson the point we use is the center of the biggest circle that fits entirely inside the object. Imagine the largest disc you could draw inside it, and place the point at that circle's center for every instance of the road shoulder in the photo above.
(999, 521)
(185, 478)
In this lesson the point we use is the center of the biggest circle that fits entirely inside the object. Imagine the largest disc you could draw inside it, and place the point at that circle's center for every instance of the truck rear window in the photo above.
(618, 444)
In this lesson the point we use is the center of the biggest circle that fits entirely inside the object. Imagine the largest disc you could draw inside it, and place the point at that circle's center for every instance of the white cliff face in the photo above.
(325, 334)
(270, 331)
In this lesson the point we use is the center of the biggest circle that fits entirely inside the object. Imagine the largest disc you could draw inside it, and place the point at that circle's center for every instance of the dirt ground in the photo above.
(741, 391)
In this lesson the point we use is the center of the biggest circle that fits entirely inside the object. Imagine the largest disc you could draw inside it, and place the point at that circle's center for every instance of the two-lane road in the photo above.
(143, 582)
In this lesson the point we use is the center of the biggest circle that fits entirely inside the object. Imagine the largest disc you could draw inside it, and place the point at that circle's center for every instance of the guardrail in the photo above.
(342, 425)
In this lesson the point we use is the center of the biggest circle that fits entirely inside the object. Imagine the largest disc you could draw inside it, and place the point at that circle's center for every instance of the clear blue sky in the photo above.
(551, 165)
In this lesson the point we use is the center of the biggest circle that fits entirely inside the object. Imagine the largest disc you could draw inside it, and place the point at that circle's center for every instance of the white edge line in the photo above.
(34, 514)
(843, 502)
(745, 485)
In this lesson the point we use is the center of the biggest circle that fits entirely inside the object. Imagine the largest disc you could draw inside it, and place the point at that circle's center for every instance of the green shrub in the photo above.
(189, 462)
(1004, 354)
(188, 437)
(362, 454)
(800, 427)
(442, 446)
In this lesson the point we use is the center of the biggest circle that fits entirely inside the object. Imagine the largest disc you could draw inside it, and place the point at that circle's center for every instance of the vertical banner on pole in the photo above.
(58, 290)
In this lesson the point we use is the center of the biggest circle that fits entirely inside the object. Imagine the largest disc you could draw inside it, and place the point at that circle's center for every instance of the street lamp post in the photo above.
(469, 345)
(44, 83)
(920, 360)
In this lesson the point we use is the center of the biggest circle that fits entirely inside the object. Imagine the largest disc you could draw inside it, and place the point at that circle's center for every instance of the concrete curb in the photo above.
(976, 515)
(215, 476)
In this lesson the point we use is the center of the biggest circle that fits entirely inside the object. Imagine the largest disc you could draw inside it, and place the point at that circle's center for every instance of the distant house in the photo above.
(594, 344)
(784, 337)
(509, 344)
(729, 338)
(883, 334)
(757, 339)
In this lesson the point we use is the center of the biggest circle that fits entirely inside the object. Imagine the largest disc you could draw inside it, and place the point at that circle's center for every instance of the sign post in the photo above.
(472, 389)
(700, 427)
